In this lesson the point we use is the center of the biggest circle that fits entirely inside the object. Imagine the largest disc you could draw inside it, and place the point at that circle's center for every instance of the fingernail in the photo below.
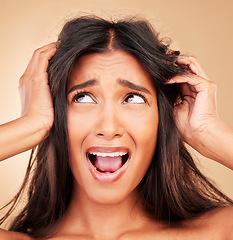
(58, 43)
(170, 81)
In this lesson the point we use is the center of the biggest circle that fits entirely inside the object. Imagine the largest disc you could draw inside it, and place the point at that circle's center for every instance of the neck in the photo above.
(104, 221)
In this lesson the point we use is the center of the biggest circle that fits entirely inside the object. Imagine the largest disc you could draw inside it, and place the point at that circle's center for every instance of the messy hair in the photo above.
(173, 188)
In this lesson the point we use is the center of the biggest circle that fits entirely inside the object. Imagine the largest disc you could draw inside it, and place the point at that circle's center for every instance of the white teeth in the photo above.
(114, 154)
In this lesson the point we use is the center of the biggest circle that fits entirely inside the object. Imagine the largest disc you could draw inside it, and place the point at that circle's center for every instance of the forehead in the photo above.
(111, 65)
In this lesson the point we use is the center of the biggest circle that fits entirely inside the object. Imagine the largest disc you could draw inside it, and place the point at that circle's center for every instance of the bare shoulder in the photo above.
(6, 235)
(222, 219)
(217, 223)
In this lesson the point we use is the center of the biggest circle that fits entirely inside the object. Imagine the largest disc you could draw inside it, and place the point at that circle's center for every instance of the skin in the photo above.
(109, 119)
(197, 117)
(37, 117)
(110, 116)
(108, 210)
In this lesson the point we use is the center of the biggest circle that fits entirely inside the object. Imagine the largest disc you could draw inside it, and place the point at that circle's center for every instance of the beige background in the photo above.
(200, 28)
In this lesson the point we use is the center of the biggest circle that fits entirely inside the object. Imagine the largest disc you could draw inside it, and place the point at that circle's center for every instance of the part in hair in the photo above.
(173, 188)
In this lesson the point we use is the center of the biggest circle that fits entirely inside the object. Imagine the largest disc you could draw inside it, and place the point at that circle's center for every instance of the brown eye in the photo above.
(83, 98)
(134, 98)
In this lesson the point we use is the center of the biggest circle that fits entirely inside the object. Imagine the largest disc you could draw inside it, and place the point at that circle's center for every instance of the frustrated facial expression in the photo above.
(112, 125)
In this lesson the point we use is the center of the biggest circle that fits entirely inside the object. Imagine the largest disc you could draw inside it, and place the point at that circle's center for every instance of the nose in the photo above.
(108, 125)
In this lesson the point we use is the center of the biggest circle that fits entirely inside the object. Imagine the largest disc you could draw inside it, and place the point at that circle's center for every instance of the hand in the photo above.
(197, 110)
(37, 118)
(34, 90)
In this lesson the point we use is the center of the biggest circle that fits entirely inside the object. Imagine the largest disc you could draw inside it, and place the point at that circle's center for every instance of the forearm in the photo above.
(37, 118)
(20, 135)
(216, 142)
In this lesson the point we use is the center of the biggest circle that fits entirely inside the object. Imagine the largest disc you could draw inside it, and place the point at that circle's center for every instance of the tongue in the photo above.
(108, 164)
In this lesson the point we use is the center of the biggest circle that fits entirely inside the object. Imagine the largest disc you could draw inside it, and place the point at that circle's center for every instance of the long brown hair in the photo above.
(173, 188)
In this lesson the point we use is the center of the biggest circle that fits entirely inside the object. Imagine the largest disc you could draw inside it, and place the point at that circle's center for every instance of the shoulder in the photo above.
(7, 235)
(222, 219)
(217, 223)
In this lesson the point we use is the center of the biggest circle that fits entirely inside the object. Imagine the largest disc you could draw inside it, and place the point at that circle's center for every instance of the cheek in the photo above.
(78, 128)
(143, 130)
(78, 125)
(143, 126)
(74, 130)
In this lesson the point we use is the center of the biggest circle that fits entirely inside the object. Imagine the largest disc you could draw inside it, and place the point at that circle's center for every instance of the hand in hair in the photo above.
(196, 114)
(37, 108)
(34, 89)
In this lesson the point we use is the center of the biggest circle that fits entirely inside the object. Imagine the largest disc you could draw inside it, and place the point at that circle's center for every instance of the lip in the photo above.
(104, 149)
(109, 177)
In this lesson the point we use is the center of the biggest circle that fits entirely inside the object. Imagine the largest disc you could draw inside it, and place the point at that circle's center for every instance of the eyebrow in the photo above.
(122, 82)
(88, 83)
(128, 84)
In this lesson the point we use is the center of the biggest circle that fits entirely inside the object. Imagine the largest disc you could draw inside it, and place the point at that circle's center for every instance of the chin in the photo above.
(106, 193)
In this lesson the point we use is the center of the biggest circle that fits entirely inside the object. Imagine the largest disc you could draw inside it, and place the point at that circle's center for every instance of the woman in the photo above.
(109, 106)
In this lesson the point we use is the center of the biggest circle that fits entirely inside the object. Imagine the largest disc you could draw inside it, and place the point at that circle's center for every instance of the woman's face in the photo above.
(112, 125)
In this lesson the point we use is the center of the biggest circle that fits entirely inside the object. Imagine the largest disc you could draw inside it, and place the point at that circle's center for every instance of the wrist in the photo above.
(21, 135)
(214, 141)
(39, 128)
(198, 135)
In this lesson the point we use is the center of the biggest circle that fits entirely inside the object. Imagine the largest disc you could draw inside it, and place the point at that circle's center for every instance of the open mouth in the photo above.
(108, 163)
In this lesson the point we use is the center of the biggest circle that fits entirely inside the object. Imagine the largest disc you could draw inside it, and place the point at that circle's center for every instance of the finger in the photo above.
(35, 57)
(187, 90)
(43, 60)
(200, 84)
(197, 68)
(192, 64)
